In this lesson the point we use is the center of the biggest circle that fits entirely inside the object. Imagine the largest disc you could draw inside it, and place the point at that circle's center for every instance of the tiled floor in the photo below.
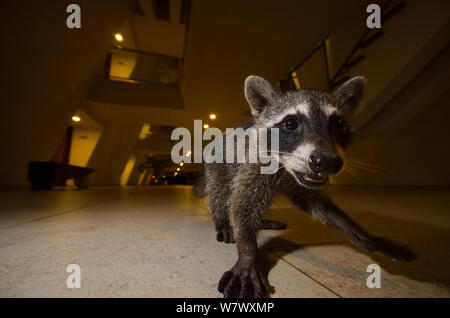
(160, 242)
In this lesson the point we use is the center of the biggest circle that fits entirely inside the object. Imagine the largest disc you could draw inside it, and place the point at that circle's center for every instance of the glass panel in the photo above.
(132, 65)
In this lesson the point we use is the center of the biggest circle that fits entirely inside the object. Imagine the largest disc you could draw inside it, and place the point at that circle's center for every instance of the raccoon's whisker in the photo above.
(361, 176)
(279, 152)
(356, 170)
(347, 174)
(368, 165)
(270, 156)
(356, 165)
(281, 166)
(354, 173)
(365, 163)
(373, 170)
(363, 166)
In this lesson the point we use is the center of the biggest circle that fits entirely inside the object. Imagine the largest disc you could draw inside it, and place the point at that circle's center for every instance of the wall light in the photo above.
(188, 153)
(212, 116)
(118, 37)
(181, 164)
(76, 118)
(175, 174)
(145, 130)
(295, 79)
(178, 169)
(206, 126)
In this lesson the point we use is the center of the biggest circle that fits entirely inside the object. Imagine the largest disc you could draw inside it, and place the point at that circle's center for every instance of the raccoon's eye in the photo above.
(291, 124)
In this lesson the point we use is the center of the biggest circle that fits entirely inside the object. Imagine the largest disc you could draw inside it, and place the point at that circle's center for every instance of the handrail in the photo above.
(309, 55)
(362, 43)
(144, 52)
(350, 60)
(320, 45)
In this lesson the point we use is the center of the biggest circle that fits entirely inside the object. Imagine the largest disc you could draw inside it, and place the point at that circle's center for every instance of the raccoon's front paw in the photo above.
(225, 234)
(243, 281)
(394, 250)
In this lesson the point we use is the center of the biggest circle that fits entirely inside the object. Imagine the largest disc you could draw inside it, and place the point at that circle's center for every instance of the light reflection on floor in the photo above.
(160, 242)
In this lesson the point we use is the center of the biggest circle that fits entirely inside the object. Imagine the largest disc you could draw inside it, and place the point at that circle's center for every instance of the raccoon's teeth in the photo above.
(315, 178)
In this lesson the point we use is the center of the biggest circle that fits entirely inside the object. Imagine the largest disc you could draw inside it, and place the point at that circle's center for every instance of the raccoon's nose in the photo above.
(321, 163)
(316, 163)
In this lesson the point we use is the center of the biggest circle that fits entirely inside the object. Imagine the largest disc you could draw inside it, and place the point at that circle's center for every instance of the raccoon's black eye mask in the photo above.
(340, 130)
(338, 124)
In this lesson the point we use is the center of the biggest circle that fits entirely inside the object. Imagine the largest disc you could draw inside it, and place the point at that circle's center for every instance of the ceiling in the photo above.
(229, 40)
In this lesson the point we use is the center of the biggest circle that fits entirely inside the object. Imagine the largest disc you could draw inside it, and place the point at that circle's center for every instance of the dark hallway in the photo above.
(89, 114)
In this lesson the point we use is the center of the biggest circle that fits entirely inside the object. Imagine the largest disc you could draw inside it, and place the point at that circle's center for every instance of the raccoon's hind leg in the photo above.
(200, 186)
(225, 233)
(219, 210)
(218, 192)
(222, 223)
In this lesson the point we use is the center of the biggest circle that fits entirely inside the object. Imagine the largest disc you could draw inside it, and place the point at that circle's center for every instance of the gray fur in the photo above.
(239, 194)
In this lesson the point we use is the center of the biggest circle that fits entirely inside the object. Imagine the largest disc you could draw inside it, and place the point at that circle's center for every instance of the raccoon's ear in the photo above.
(349, 94)
(259, 93)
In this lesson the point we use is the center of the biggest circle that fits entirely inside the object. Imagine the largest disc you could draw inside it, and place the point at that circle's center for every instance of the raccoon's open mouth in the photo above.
(312, 179)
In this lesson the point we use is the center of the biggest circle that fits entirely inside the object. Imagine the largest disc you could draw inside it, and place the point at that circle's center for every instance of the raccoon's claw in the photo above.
(243, 282)
(225, 234)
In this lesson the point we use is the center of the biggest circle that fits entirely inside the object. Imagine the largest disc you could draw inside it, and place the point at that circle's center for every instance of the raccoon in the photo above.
(314, 129)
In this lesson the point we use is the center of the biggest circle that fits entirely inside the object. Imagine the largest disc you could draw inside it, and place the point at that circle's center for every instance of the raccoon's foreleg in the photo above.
(245, 279)
(219, 212)
(322, 209)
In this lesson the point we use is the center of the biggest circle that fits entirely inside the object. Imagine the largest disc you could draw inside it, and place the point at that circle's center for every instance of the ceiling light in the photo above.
(118, 37)
(212, 116)
(76, 118)
(206, 126)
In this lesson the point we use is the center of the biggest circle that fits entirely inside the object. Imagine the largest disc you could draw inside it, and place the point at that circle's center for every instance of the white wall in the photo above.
(84, 141)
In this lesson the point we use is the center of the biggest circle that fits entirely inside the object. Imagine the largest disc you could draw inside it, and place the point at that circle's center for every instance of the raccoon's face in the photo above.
(313, 126)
